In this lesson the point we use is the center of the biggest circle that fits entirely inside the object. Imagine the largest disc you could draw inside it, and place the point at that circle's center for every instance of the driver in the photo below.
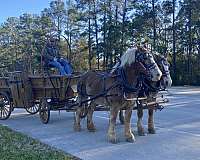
(52, 58)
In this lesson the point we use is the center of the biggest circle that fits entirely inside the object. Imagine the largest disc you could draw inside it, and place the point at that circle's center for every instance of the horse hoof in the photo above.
(113, 140)
(130, 139)
(77, 128)
(151, 131)
(91, 128)
(141, 133)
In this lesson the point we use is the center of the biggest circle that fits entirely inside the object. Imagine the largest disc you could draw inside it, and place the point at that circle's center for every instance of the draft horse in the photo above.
(112, 89)
(151, 90)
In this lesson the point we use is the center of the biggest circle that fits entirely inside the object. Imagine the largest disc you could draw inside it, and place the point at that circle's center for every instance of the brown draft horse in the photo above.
(112, 88)
(165, 82)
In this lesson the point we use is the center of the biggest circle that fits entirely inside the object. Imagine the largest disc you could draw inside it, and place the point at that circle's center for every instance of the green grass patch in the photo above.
(16, 146)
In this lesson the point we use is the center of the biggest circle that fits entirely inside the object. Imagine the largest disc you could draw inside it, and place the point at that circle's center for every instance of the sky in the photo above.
(15, 8)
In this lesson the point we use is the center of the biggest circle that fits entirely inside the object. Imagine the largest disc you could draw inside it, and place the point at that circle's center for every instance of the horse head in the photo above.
(146, 58)
(163, 64)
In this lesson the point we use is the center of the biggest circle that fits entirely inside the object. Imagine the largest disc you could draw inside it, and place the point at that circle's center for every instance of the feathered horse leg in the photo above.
(90, 123)
(151, 128)
(112, 123)
(127, 125)
(139, 121)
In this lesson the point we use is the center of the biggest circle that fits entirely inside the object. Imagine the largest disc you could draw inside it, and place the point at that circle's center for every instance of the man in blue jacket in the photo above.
(52, 58)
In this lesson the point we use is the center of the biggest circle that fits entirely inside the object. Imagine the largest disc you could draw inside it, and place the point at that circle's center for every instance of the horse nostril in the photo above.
(167, 83)
(158, 75)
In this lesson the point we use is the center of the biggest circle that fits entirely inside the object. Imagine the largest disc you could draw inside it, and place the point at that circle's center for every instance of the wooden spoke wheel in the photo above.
(33, 109)
(5, 106)
(44, 111)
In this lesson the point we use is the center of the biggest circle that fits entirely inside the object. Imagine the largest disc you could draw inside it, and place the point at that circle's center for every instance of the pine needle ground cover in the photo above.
(16, 146)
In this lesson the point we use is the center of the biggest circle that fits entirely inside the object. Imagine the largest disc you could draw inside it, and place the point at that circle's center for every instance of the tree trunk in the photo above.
(190, 40)
(123, 25)
(96, 33)
(89, 38)
(110, 48)
(154, 25)
(104, 39)
(174, 40)
(116, 43)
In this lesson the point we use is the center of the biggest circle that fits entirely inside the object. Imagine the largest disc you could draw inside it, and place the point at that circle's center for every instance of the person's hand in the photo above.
(55, 59)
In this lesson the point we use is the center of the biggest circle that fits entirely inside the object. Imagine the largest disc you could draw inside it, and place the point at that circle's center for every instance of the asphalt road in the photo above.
(177, 137)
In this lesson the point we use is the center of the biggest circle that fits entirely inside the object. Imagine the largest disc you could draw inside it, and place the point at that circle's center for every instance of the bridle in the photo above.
(158, 87)
(164, 71)
(141, 58)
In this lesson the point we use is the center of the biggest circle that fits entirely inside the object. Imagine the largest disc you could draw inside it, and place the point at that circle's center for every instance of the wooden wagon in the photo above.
(36, 93)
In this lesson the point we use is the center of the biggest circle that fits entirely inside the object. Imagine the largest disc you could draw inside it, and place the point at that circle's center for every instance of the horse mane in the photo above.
(128, 57)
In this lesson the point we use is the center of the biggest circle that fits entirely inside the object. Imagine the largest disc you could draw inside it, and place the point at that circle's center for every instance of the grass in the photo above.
(16, 146)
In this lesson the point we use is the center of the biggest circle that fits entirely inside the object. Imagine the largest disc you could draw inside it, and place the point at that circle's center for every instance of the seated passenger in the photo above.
(51, 57)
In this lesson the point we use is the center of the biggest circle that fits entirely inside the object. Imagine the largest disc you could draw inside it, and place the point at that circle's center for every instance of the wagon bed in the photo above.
(21, 90)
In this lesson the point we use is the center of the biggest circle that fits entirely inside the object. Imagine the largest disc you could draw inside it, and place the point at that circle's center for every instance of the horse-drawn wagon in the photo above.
(135, 75)
(36, 93)
(43, 93)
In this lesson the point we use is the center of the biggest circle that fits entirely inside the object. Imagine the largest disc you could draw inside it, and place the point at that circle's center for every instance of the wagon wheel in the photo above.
(5, 106)
(33, 109)
(44, 111)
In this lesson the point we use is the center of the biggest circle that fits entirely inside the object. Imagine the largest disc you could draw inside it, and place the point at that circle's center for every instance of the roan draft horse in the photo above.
(112, 89)
(151, 91)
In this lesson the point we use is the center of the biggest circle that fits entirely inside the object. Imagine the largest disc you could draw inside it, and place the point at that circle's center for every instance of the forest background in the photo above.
(93, 33)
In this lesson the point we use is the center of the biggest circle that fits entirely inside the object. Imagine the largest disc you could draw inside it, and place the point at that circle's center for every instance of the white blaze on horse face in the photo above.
(167, 80)
(155, 71)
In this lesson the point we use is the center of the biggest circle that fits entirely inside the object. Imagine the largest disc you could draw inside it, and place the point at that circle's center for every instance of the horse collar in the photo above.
(127, 88)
